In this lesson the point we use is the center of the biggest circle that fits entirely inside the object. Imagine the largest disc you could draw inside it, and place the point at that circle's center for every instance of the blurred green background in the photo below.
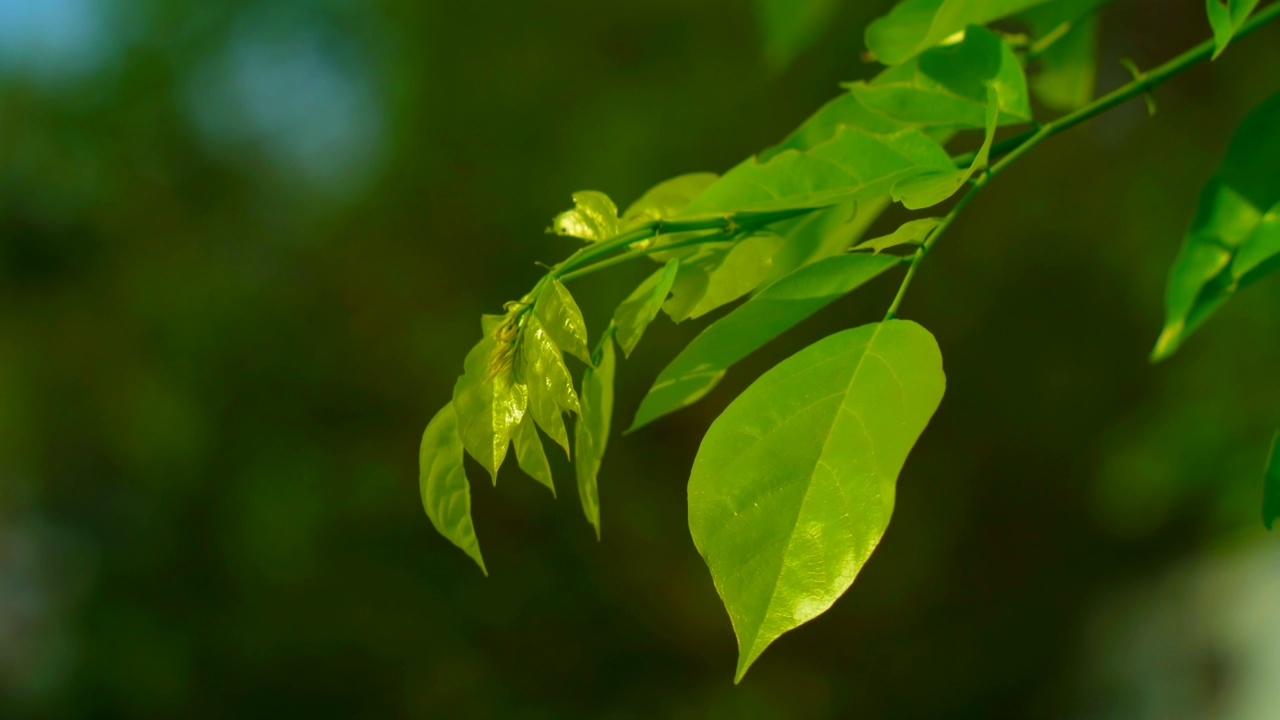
(244, 247)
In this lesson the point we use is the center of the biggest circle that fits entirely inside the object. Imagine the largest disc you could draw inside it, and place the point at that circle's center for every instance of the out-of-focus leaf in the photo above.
(488, 406)
(922, 191)
(1271, 486)
(529, 454)
(446, 494)
(721, 275)
(821, 234)
(562, 320)
(794, 483)
(1226, 18)
(782, 305)
(668, 197)
(791, 26)
(913, 232)
(550, 385)
(853, 165)
(642, 306)
(593, 217)
(591, 433)
(914, 26)
(1234, 238)
(1069, 66)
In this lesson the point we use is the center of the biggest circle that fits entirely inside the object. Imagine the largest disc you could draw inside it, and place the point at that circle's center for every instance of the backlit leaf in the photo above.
(1068, 66)
(668, 197)
(487, 407)
(913, 232)
(699, 367)
(914, 26)
(794, 483)
(562, 319)
(446, 494)
(925, 190)
(529, 453)
(593, 218)
(719, 276)
(591, 434)
(1271, 486)
(550, 385)
(1226, 17)
(790, 26)
(642, 306)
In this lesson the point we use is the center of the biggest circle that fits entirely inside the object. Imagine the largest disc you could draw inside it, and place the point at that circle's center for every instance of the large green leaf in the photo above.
(1226, 17)
(642, 306)
(563, 320)
(927, 189)
(1271, 486)
(529, 454)
(488, 406)
(821, 234)
(550, 386)
(794, 484)
(593, 217)
(721, 275)
(1234, 238)
(446, 494)
(914, 26)
(668, 197)
(852, 165)
(1069, 65)
(790, 26)
(699, 367)
(591, 434)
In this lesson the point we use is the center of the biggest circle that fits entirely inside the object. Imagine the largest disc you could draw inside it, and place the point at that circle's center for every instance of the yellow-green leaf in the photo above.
(593, 217)
(550, 386)
(913, 232)
(591, 434)
(642, 306)
(488, 406)
(914, 26)
(922, 191)
(446, 494)
(562, 319)
(1225, 18)
(529, 454)
(669, 197)
(721, 275)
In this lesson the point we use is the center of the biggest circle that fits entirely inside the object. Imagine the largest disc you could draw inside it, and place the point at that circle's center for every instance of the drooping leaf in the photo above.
(852, 165)
(550, 386)
(488, 406)
(591, 434)
(1271, 486)
(593, 217)
(642, 306)
(446, 494)
(791, 26)
(562, 320)
(669, 197)
(1226, 17)
(913, 232)
(794, 483)
(529, 453)
(914, 26)
(925, 190)
(821, 234)
(699, 367)
(1234, 238)
(1068, 66)
(721, 275)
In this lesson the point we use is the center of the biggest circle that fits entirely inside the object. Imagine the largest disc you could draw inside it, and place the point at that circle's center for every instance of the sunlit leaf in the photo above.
(488, 406)
(550, 386)
(821, 234)
(922, 191)
(794, 483)
(721, 275)
(529, 453)
(642, 306)
(844, 110)
(593, 218)
(1069, 65)
(668, 197)
(1234, 238)
(562, 320)
(1226, 17)
(1271, 486)
(782, 305)
(913, 232)
(914, 26)
(591, 434)
(446, 494)
(791, 26)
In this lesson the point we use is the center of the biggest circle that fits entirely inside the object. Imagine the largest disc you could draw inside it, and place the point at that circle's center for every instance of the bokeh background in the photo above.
(244, 246)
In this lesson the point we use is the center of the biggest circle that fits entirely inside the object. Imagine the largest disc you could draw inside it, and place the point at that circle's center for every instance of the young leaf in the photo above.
(721, 275)
(593, 218)
(550, 385)
(914, 26)
(446, 494)
(1234, 238)
(782, 305)
(913, 232)
(642, 306)
(790, 26)
(1226, 17)
(529, 454)
(591, 434)
(488, 406)
(668, 197)
(821, 234)
(1069, 65)
(562, 320)
(925, 190)
(793, 485)
(1271, 486)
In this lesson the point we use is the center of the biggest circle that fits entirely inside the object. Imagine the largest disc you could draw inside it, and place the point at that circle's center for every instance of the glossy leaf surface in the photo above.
(1226, 17)
(1271, 486)
(721, 275)
(1234, 238)
(794, 484)
(642, 306)
(446, 494)
(562, 320)
(914, 26)
(1069, 66)
(913, 232)
(529, 453)
(593, 217)
(701, 365)
(488, 407)
(791, 26)
(550, 386)
(591, 434)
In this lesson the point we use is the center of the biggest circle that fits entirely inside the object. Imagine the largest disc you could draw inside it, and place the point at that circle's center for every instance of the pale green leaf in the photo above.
(821, 234)
(1234, 238)
(593, 217)
(791, 26)
(446, 494)
(925, 190)
(1069, 65)
(721, 275)
(913, 232)
(1226, 18)
(562, 319)
(844, 110)
(668, 198)
(914, 26)
(550, 386)
(780, 306)
(591, 434)
(1271, 486)
(642, 306)
(529, 454)
(794, 483)
(488, 406)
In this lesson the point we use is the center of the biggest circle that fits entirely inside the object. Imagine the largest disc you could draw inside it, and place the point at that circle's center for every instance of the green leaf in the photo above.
(1226, 18)
(914, 26)
(699, 367)
(844, 110)
(852, 165)
(488, 406)
(791, 26)
(794, 484)
(550, 385)
(1234, 238)
(563, 320)
(1069, 65)
(593, 218)
(446, 494)
(718, 276)
(642, 306)
(821, 234)
(1271, 486)
(909, 233)
(947, 86)
(591, 434)
(925, 190)
(668, 198)
(529, 454)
